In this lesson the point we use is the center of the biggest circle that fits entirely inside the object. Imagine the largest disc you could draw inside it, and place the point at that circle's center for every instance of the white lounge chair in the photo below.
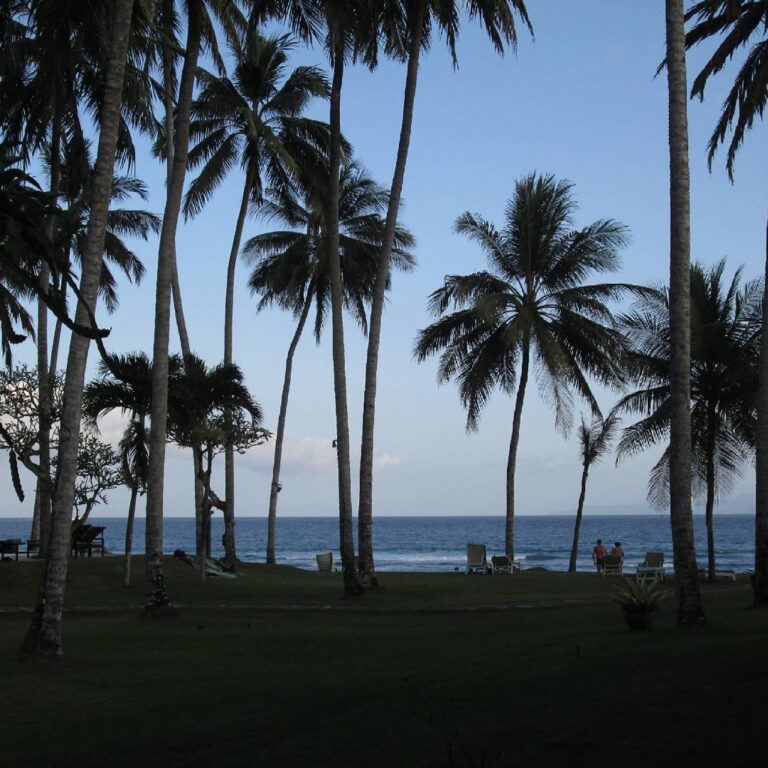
(652, 568)
(477, 559)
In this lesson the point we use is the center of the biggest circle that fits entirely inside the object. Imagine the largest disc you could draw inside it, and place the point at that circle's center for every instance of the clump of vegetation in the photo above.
(640, 600)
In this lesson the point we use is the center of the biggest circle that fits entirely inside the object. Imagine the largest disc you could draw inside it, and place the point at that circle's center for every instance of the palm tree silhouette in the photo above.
(254, 120)
(736, 25)
(723, 384)
(291, 270)
(532, 305)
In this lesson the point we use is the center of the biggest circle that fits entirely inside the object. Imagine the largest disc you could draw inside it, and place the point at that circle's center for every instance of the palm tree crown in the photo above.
(738, 24)
(532, 297)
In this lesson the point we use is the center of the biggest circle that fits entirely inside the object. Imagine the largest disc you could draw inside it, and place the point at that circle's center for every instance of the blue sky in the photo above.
(580, 102)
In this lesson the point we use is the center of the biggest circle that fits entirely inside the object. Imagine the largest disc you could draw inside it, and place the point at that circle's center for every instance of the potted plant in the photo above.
(639, 601)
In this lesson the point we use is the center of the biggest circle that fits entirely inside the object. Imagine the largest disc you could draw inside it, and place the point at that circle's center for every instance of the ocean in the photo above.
(439, 543)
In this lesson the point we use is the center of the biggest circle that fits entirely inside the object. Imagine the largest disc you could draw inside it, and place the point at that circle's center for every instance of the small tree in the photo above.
(207, 409)
(19, 433)
(99, 469)
(594, 442)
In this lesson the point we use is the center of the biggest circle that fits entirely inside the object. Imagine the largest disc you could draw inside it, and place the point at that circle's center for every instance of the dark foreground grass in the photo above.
(409, 675)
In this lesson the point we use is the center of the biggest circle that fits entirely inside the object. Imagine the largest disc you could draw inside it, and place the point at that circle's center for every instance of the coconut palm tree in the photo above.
(736, 24)
(349, 34)
(254, 119)
(291, 271)
(200, 31)
(594, 442)
(44, 635)
(723, 351)
(406, 30)
(689, 608)
(130, 393)
(531, 306)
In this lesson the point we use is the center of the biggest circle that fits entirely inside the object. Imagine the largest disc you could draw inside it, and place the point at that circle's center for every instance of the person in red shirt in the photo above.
(598, 554)
(617, 549)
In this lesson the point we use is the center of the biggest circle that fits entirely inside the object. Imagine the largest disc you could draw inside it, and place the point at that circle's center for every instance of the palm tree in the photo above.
(131, 395)
(199, 29)
(254, 118)
(291, 270)
(737, 24)
(208, 409)
(689, 608)
(44, 635)
(532, 305)
(722, 418)
(594, 442)
(408, 26)
(348, 30)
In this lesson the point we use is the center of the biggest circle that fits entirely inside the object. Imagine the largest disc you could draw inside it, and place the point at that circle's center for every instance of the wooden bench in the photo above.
(9, 547)
(86, 538)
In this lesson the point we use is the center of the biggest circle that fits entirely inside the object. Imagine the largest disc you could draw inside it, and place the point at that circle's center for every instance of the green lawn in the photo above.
(278, 669)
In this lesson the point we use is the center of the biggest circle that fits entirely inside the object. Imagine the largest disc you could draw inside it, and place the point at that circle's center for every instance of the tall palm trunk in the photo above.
(229, 306)
(44, 396)
(56, 343)
(365, 508)
(156, 596)
(509, 537)
(129, 535)
(710, 502)
(44, 635)
(346, 534)
(178, 307)
(760, 579)
(274, 488)
(689, 609)
(579, 512)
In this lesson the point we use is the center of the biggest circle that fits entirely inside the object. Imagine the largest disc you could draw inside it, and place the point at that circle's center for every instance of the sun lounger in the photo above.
(87, 538)
(477, 560)
(9, 547)
(613, 565)
(325, 562)
(652, 568)
(719, 574)
(503, 564)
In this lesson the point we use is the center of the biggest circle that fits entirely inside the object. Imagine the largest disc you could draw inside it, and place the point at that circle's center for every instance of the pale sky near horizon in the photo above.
(580, 102)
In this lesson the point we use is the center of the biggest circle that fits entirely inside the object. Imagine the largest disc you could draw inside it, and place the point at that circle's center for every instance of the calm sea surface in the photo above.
(439, 543)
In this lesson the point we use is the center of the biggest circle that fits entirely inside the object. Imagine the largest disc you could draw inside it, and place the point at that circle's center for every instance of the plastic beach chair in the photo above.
(477, 560)
(652, 568)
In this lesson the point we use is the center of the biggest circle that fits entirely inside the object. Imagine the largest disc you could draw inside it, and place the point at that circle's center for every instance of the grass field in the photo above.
(277, 668)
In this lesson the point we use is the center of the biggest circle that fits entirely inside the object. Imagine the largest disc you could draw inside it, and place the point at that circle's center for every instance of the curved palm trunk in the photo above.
(229, 306)
(579, 511)
(274, 488)
(760, 580)
(178, 307)
(509, 536)
(365, 508)
(346, 535)
(44, 635)
(55, 345)
(129, 535)
(156, 595)
(689, 608)
(44, 396)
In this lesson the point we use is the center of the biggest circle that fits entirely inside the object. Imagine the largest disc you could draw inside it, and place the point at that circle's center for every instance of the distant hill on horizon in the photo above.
(741, 504)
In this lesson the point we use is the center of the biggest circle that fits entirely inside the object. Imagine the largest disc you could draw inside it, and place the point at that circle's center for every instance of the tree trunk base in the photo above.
(37, 642)
(759, 592)
(166, 611)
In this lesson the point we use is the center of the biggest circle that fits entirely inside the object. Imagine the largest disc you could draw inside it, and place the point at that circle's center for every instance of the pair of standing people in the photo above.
(599, 551)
